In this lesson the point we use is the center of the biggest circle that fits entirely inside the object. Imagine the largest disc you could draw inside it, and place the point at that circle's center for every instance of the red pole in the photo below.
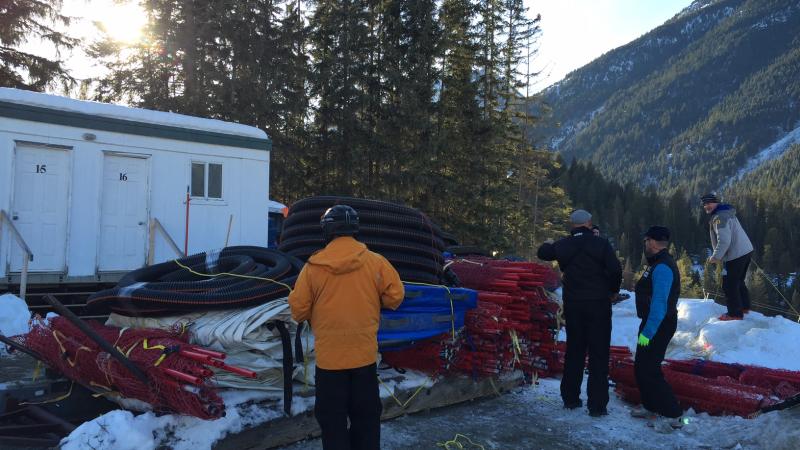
(186, 237)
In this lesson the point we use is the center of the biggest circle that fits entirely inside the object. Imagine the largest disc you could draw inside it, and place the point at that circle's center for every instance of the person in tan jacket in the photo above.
(340, 291)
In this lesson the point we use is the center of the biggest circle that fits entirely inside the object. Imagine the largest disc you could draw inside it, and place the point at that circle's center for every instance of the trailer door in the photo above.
(123, 213)
(40, 206)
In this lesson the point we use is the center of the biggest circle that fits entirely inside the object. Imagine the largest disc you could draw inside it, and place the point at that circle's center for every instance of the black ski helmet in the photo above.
(339, 220)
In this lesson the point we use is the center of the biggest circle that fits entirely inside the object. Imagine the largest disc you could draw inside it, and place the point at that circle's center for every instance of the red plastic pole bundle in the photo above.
(713, 387)
(177, 379)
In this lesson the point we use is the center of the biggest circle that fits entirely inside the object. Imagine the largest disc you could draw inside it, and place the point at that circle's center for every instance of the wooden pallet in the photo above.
(447, 391)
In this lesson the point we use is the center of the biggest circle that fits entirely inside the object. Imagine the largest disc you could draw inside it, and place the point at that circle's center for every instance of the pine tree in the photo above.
(688, 276)
(24, 20)
(289, 174)
(409, 38)
(342, 46)
(711, 285)
(459, 131)
(758, 289)
(628, 276)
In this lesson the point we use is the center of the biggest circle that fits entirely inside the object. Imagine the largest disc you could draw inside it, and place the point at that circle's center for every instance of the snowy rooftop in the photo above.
(112, 111)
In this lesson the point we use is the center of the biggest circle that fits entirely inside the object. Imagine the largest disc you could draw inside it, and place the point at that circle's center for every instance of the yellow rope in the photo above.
(560, 316)
(119, 336)
(64, 350)
(212, 275)
(52, 400)
(37, 369)
(515, 347)
(496, 391)
(778, 290)
(403, 404)
(457, 445)
(450, 298)
(155, 347)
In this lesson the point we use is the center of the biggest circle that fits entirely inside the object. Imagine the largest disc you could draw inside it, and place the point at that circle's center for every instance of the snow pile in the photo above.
(757, 340)
(122, 430)
(14, 317)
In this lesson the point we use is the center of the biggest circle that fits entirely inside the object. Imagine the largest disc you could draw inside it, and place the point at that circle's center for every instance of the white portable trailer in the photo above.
(94, 190)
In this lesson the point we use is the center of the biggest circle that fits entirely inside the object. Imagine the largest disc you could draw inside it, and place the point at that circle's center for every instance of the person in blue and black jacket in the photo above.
(657, 305)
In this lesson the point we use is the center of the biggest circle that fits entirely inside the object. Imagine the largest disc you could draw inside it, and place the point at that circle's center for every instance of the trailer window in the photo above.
(215, 180)
(198, 180)
(206, 180)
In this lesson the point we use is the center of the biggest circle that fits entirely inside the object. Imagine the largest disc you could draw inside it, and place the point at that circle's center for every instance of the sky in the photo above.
(574, 32)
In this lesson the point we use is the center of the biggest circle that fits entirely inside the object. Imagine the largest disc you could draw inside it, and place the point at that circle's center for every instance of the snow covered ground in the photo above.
(531, 417)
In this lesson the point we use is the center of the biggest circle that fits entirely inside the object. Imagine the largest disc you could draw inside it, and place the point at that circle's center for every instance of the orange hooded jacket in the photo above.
(340, 291)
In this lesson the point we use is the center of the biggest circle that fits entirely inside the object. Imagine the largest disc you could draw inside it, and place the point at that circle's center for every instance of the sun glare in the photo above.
(123, 22)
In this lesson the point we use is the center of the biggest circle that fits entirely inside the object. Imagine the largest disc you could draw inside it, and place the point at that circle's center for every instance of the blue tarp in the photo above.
(426, 311)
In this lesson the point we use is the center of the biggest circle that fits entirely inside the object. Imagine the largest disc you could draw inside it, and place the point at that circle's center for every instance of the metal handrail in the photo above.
(23, 281)
(155, 225)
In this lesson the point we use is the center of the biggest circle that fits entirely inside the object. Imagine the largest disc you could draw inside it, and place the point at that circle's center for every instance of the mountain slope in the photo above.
(777, 177)
(689, 103)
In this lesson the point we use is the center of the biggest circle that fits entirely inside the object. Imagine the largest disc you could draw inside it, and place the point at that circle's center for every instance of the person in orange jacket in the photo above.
(340, 291)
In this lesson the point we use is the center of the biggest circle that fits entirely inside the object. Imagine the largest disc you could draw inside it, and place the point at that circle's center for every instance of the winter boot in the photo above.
(641, 413)
(726, 318)
(598, 412)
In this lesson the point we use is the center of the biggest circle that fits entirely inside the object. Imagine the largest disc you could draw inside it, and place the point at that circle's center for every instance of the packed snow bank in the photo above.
(14, 317)
(757, 340)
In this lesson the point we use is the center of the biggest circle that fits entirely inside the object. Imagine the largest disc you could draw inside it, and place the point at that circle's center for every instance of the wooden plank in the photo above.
(447, 391)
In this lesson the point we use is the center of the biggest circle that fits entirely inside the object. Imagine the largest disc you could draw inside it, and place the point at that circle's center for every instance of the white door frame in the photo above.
(70, 166)
(148, 187)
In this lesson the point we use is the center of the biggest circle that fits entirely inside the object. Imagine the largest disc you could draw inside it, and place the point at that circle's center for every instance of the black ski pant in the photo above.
(348, 394)
(588, 325)
(654, 390)
(736, 293)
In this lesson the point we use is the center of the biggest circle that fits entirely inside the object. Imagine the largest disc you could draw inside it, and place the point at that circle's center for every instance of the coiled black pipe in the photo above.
(406, 237)
(295, 236)
(324, 202)
(168, 288)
